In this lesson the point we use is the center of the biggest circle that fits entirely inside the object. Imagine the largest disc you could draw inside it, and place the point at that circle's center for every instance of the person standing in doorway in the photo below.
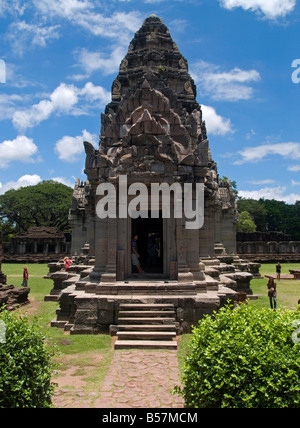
(135, 255)
(272, 293)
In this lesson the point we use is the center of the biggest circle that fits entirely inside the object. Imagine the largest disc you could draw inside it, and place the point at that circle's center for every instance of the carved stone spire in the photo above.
(153, 115)
(154, 55)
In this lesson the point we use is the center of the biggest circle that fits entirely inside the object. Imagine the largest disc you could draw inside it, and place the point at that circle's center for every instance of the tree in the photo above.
(25, 364)
(271, 215)
(243, 358)
(257, 211)
(245, 223)
(46, 204)
(276, 215)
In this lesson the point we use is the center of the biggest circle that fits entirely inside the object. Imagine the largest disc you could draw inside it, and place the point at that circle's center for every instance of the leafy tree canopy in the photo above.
(245, 223)
(270, 215)
(45, 204)
(267, 215)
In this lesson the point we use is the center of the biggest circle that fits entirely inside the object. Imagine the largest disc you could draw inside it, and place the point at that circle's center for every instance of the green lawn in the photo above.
(267, 268)
(39, 286)
(79, 348)
(288, 290)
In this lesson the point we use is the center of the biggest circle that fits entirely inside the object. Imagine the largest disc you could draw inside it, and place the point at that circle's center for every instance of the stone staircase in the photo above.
(146, 326)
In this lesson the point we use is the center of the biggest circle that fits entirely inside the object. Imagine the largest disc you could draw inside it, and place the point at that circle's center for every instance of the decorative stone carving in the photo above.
(183, 65)
(116, 89)
(188, 87)
(124, 65)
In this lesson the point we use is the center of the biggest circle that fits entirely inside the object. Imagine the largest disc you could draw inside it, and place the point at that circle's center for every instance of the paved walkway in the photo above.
(135, 379)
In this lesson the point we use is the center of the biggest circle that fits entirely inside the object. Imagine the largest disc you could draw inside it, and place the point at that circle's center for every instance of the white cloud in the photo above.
(62, 101)
(31, 180)
(178, 25)
(272, 9)
(266, 181)
(294, 168)
(295, 183)
(96, 93)
(11, 6)
(64, 8)
(64, 97)
(224, 85)
(21, 149)
(9, 104)
(70, 148)
(23, 119)
(83, 13)
(258, 153)
(277, 193)
(21, 34)
(215, 124)
(64, 181)
(250, 134)
(24, 181)
(15, 79)
(97, 61)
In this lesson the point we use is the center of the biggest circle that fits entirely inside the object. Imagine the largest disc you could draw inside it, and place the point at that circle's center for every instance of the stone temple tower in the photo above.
(152, 133)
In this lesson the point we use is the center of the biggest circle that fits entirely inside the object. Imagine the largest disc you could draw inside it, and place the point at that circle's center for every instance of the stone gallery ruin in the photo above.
(152, 132)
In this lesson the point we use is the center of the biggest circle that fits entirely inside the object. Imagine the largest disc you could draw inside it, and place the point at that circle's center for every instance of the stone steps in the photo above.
(141, 288)
(149, 314)
(147, 335)
(146, 306)
(145, 344)
(150, 320)
(146, 326)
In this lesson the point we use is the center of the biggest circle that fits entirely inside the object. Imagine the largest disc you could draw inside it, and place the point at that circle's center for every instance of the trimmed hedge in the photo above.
(25, 364)
(244, 358)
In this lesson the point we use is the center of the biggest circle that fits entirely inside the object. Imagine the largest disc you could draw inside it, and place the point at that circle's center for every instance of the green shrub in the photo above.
(25, 364)
(243, 358)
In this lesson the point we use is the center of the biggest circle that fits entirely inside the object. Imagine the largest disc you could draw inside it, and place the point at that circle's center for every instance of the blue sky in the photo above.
(61, 57)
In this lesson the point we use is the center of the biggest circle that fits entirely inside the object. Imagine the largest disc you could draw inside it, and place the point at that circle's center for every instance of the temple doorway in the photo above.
(150, 243)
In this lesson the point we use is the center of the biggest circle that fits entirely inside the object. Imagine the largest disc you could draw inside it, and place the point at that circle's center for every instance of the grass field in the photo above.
(288, 290)
(91, 354)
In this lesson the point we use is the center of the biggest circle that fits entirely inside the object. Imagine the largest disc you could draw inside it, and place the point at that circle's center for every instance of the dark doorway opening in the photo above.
(149, 243)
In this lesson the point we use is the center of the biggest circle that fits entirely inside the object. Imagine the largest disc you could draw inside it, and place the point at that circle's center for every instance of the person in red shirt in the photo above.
(25, 277)
(67, 263)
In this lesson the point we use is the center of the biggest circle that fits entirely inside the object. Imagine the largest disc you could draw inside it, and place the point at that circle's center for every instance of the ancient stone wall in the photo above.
(268, 247)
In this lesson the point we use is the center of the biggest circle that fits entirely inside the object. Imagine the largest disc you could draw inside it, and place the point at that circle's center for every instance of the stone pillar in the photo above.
(111, 266)
(228, 233)
(101, 245)
(207, 233)
(123, 249)
(193, 254)
(184, 274)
